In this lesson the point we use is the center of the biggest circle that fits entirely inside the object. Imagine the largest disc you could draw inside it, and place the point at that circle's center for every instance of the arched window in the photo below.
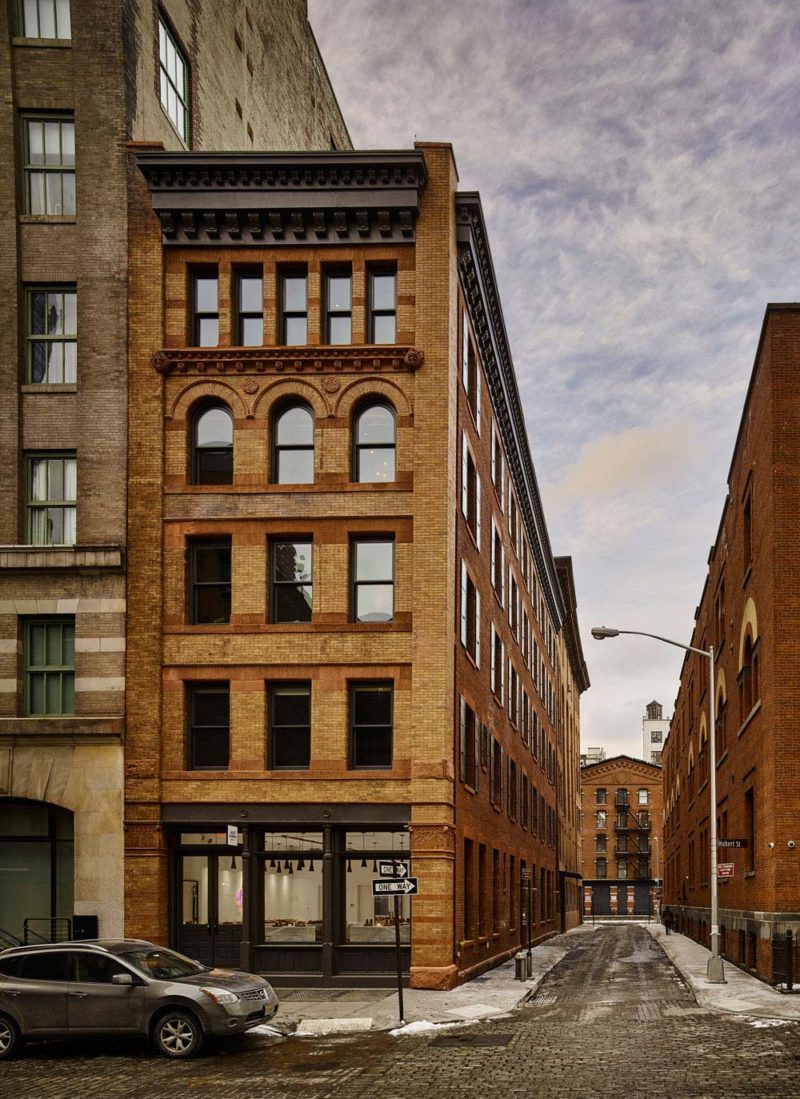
(702, 758)
(749, 693)
(374, 444)
(212, 446)
(721, 722)
(293, 446)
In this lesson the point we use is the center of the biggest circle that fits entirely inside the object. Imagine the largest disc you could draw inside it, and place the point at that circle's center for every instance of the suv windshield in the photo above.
(164, 965)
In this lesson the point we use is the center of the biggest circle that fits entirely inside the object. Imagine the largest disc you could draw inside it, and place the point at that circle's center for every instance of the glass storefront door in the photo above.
(210, 901)
(36, 869)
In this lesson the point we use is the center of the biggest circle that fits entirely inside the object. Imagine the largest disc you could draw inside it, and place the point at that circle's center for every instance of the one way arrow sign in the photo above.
(380, 887)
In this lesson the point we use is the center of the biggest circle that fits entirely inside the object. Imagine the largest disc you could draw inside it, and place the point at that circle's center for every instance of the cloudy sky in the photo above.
(638, 162)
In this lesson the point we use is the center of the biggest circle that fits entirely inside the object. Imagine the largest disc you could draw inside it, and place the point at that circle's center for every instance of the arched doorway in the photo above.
(36, 866)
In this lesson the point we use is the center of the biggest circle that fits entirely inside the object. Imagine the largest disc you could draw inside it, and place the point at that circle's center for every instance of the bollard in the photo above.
(789, 961)
(529, 963)
(520, 967)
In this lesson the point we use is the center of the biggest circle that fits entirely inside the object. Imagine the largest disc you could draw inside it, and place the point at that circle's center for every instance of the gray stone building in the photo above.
(85, 82)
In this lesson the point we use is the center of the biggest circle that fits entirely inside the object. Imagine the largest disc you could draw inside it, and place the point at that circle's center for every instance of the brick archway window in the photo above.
(749, 692)
(212, 446)
(374, 443)
(293, 445)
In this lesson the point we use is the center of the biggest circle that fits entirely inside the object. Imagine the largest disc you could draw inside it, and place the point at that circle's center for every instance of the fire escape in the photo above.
(632, 838)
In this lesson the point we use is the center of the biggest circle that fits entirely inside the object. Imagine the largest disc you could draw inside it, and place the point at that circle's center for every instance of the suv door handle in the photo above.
(78, 995)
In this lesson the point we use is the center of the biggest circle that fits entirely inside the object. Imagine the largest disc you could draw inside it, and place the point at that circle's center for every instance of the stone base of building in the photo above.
(440, 978)
(753, 941)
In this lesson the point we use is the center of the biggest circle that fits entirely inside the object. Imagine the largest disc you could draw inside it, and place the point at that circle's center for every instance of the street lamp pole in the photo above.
(715, 973)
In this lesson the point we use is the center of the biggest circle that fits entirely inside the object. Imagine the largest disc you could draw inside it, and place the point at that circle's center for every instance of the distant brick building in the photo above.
(81, 80)
(623, 816)
(749, 612)
(354, 653)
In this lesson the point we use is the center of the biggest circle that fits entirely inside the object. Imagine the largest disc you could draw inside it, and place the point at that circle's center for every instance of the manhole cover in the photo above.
(455, 1041)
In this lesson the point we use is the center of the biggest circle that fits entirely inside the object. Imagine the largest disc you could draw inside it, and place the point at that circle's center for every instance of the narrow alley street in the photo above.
(613, 1016)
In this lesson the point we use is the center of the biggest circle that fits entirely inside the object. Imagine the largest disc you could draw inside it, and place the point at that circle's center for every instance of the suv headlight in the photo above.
(220, 995)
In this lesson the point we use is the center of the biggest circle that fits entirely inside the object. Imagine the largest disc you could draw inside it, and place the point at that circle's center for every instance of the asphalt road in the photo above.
(612, 1018)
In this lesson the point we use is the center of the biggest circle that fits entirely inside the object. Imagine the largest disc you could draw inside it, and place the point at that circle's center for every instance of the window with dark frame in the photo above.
(291, 580)
(496, 775)
(49, 666)
(208, 726)
(470, 616)
(750, 828)
(470, 491)
(469, 745)
(51, 335)
(374, 443)
(294, 307)
(382, 306)
(293, 446)
(470, 374)
(747, 530)
(49, 165)
(205, 307)
(338, 306)
(209, 581)
(749, 690)
(250, 306)
(173, 80)
(212, 446)
(372, 567)
(45, 19)
(371, 719)
(289, 726)
(51, 490)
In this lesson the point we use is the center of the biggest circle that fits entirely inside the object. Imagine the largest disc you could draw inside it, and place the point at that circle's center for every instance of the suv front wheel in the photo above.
(177, 1034)
(10, 1037)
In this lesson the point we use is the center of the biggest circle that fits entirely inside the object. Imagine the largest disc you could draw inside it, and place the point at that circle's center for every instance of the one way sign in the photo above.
(405, 886)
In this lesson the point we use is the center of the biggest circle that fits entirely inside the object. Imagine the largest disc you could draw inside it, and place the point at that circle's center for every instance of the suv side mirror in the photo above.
(122, 979)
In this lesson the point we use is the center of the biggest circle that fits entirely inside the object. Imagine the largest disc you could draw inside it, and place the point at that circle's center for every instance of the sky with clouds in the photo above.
(637, 162)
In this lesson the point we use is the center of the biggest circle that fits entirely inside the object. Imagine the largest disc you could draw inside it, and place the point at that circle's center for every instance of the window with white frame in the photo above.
(470, 616)
(174, 81)
(498, 668)
(45, 19)
(470, 491)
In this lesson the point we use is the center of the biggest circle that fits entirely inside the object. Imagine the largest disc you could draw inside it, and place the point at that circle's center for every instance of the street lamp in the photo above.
(715, 973)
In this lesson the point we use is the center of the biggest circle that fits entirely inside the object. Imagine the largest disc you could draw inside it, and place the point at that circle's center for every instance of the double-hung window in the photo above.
(51, 499)
(290, 597)
(338, 306)
(470, 616)
(208, 733)
(49, 165)
(290, 726)
(250, 307)
(209, 581)
(174, 81)
(205, 307)
(470, 491)
(382, 306)
(373, 580)
(294, 308)
(371, 720)
(49, 658)
(51, 335)
(45, 19)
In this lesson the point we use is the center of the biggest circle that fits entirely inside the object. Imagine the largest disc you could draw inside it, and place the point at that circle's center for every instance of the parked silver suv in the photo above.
(126, 986)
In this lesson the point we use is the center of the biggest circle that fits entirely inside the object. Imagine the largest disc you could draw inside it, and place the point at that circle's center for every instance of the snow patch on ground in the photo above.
(272, 1031)
(423, 1026)
(754, 1021)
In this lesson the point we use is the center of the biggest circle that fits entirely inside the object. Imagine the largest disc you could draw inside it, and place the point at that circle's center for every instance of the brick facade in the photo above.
(103, 77)
(748, 612)
(623, 837)
(453, 735)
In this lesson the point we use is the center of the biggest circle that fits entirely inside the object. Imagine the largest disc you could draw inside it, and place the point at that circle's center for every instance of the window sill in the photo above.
(47, 219)
(48, 387)
(42, 43)
(749, 718)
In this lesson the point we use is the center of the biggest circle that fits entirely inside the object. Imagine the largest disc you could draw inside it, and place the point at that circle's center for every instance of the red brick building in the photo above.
(344, 609)
(623, 816)
(749, 610)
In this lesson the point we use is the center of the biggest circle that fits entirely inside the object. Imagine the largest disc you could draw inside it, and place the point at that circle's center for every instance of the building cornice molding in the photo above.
(205, 361)
(284, 199)
(623, 762)
(572, 635)
(483, 298)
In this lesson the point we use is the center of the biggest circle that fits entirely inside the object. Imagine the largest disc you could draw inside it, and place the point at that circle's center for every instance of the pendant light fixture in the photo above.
(349, 867)
(291, 868)
(272, 864)
(287, 865)
(301, 862)
(363, 853)
(374, 866)
(311, 864)
(279, 867)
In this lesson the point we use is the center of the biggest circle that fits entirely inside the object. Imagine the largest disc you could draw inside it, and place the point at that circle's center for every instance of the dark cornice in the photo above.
(572, 635)
(480, 291)
(284, 198)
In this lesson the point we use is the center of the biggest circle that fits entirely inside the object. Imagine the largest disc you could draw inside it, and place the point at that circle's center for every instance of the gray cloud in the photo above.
(637, 162)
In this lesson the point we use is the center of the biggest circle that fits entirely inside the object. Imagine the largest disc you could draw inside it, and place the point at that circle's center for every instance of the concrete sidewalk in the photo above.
(491, 995)
(743, 994)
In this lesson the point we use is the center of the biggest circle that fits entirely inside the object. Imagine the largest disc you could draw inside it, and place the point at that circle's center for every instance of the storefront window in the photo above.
(370, 919)
(293, 887)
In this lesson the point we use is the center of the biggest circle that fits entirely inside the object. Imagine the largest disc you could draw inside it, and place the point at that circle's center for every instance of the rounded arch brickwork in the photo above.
(749, 622)
(207, 390)
(283, 389)
(722, 690)
(364, 388)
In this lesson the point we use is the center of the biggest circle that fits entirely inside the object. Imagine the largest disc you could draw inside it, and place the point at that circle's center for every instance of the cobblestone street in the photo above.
(613, 1016)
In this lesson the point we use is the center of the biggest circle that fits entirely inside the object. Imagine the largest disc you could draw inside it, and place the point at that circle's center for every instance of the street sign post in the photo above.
(397, 886)
(737, 845)
(725, 869)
